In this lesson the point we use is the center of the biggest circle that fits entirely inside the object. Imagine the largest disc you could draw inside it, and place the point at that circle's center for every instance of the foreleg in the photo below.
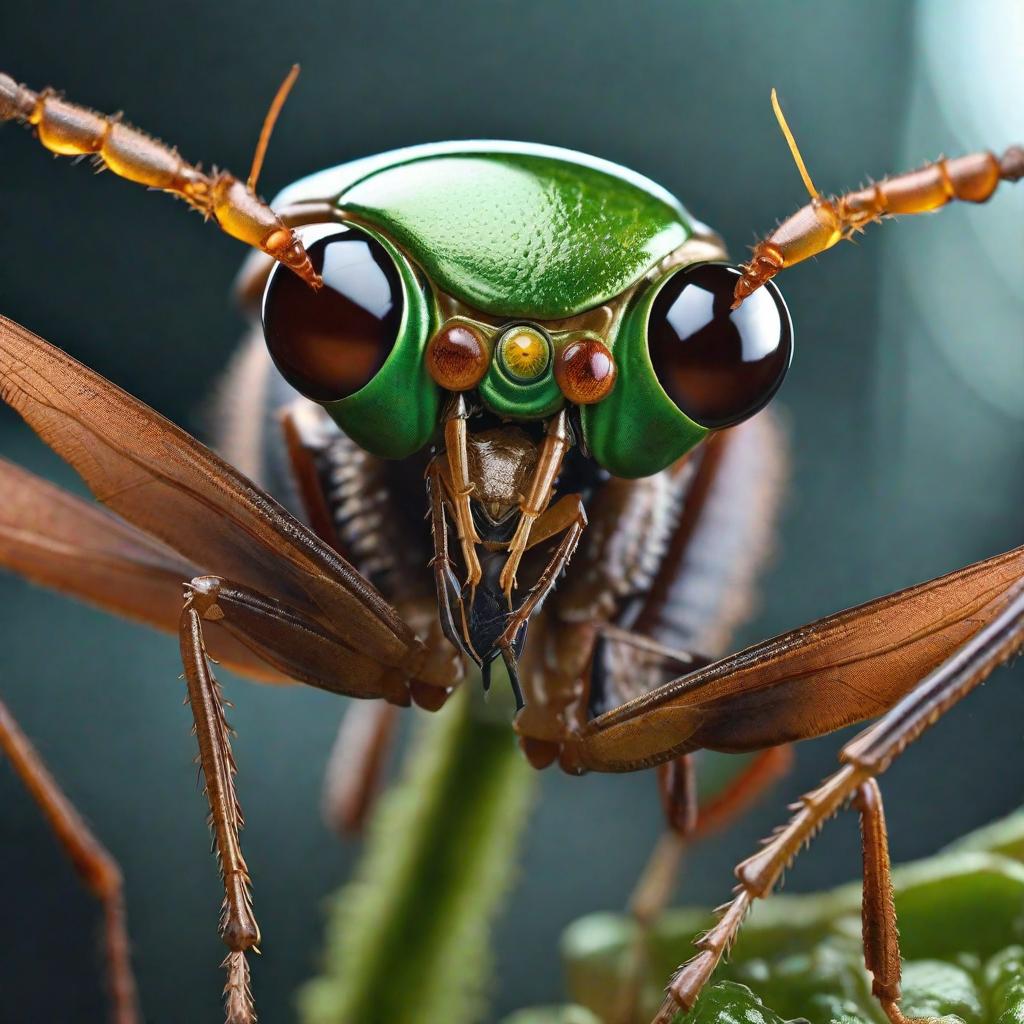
(94, 864)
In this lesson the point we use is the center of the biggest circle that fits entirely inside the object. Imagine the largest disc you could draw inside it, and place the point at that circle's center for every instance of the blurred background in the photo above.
(904, 406)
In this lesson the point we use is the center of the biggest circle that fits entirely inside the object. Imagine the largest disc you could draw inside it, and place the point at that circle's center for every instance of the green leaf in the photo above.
(933, 988)
(1004, 979)
(961, 918)
(732, 1002)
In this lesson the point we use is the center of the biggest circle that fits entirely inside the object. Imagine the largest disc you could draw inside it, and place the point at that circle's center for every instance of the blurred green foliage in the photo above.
(408, 938)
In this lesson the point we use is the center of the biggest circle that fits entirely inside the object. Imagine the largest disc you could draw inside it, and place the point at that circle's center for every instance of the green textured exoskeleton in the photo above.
(500, 235)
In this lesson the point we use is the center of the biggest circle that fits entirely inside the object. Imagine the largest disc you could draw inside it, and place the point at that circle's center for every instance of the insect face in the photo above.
(541, 324)
(523, 414)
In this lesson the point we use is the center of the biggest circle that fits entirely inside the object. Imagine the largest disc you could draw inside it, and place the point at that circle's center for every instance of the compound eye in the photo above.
(330, 343)
(718, 365)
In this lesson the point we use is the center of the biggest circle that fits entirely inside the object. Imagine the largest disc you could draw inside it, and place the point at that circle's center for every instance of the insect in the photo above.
(557, 351)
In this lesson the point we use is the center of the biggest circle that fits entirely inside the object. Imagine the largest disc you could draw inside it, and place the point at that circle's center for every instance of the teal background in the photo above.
(904, 404)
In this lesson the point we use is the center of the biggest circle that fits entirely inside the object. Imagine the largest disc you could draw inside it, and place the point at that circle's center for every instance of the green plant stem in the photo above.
(407, 939)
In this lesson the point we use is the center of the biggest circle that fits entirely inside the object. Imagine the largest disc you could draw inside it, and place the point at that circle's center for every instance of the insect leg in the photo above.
(300, 648)
(763, 771)
(69, 129)
(238, 926)
(460, 487)
(532, 506)
(878, 911)
(677, 784)
(864, 758)
(94, 864)
(688, 822)
(569, 517)
(445, 583)
(356, 764)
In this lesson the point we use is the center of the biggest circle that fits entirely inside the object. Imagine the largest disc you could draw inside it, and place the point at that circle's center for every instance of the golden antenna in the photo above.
(793, 148)
(268, 127)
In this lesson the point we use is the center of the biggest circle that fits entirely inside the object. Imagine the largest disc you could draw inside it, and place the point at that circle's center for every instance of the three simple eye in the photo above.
(329, 344)
(718, 365)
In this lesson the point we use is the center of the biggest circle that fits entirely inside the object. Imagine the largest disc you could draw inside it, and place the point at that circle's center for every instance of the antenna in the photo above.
(793, 148)
(268, 126)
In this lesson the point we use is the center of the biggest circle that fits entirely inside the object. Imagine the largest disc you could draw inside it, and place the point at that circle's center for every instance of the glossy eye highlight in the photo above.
(717, 364)
(328, 344)
(585, 371)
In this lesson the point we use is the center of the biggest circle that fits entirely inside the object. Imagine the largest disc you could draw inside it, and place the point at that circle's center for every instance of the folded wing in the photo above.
(159, 478)
(842, 669)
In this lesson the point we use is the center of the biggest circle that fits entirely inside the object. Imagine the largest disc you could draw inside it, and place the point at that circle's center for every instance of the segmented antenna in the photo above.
(69, 129)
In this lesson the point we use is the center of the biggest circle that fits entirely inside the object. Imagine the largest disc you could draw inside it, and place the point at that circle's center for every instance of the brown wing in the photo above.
(840, 670)
(60, 541)
(166, 483)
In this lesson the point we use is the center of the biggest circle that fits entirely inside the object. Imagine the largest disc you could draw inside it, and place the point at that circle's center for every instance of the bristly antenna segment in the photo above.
(69, 129)
(828, 220)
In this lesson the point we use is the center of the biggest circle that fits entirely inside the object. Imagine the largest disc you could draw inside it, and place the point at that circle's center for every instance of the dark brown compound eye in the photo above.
(330, 343)
(718, 365)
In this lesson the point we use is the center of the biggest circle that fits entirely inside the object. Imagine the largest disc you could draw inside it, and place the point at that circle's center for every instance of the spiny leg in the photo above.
(460, 487)
(878, 909)
(302, 649)
(94, 864)
(865, 757)
(238, 926)
(567, 515)
(445, 583)
(687, 823)
(314, 619)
